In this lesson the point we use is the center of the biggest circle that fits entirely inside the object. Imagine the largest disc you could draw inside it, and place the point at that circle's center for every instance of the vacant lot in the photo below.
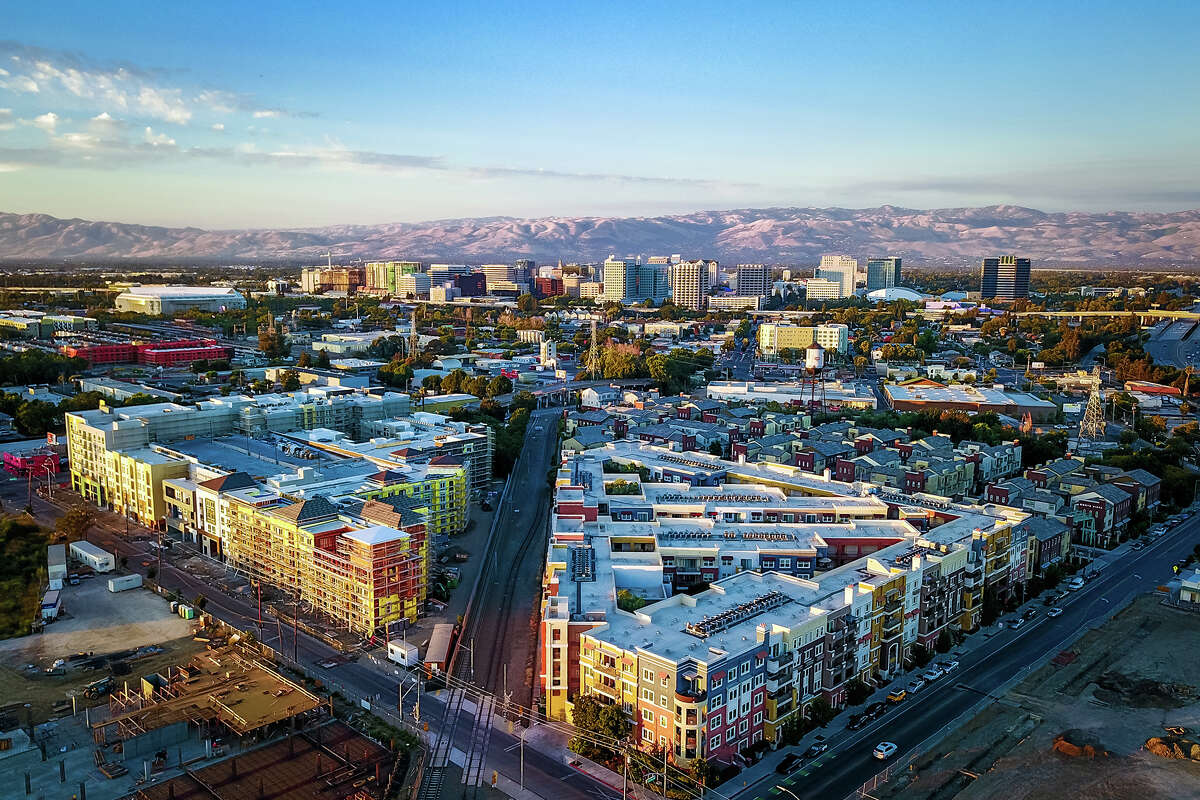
(103, 624)
(1078, 730)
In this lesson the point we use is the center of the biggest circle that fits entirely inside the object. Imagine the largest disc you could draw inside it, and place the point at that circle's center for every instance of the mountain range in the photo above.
(941, 237)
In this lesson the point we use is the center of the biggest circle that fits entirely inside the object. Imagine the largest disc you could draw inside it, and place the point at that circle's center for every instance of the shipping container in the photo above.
(94, 557)
(123, 582)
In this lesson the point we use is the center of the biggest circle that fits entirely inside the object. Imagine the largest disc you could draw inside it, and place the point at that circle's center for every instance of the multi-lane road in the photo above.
(1006, 654)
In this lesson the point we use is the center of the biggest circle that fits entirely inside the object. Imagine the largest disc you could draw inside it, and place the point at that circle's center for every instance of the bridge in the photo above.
(1149, 314)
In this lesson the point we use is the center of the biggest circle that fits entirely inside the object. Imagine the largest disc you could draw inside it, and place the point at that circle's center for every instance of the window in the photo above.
(648, 675)
(759, 680)
(714, 743)
(648, 695)
(647, 735)
(785, 563)
(664, 680)
(716, 682)
(745, 667)
(662, 720)
(744, 726)
(730, 735)
(662, 700)
(647, 715)
(758, 718)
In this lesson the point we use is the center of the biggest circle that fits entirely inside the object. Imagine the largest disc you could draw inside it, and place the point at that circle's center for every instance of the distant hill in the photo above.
(947, 237)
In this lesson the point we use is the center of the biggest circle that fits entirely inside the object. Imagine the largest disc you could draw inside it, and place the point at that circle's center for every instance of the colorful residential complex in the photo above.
(812, 583)
(344, 524)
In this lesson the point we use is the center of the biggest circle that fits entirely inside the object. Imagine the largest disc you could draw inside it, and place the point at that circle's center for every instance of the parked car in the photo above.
(875, 710)
(931, 675)
(916, 686)
(947, 666)
(858, 721)
(1054, 612)
(1030, 613)
(1017, 624)
(1075, 584)
(1137, 546)
(885, 750)
(789, 763)
(897, 696)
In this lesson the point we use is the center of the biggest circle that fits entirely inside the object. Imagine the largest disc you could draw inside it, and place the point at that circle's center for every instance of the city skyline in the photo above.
(307, 119)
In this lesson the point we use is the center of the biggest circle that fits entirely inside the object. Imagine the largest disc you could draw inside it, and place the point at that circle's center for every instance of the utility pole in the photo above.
(522, 758)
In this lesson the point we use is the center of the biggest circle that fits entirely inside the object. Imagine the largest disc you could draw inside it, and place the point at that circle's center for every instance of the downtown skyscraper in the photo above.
(1004, 278)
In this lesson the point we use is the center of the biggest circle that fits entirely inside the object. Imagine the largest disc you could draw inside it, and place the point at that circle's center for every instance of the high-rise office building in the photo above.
(1004, 278)
(840, 270)
(882, 273)
(753, 280)
(627, 281)
(689, 284)
(383, 276)
(523, 269)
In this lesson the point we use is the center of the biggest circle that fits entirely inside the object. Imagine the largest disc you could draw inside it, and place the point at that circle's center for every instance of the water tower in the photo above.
(813, 379)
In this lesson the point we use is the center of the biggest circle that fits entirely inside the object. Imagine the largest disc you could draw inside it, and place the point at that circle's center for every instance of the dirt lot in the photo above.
(1118, 686)
(99, 622)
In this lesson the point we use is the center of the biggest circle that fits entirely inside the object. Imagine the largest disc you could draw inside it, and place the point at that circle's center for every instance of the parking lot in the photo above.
(95, 619)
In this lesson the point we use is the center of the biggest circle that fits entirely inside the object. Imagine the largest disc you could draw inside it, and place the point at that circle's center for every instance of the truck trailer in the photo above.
(56, 565)
(123, 582)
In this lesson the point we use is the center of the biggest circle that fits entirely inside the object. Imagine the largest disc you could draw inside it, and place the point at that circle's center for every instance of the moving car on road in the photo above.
(885, 750)
(816, 750)
(1054, 612)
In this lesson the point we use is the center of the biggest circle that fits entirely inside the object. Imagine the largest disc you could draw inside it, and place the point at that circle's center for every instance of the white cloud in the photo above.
(268, 113)
(9, 167)
(218, 126)
(158, 139)
(7, 121)
(47, 122)
(79, 141)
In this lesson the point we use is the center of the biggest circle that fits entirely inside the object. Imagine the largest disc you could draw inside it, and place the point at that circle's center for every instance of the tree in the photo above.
(527, 303)
(498, 386)
(75, 523)
(323, 359)
(271, 340)
(820, 712)
(524, 399)
(715, 448)
(944, 642)
(921, 655)
(305, 359)
(291, 381)
(857, 692)
(432, 383)
(604, 721)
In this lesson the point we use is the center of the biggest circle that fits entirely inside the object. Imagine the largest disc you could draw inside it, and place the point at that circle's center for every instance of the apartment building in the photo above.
(865, 575)
(841, 270)
(774, 338)
(690, 284)
(752, 280)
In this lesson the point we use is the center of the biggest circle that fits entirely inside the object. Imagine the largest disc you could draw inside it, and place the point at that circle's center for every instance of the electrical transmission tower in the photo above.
(1092, 425)
(593, 353)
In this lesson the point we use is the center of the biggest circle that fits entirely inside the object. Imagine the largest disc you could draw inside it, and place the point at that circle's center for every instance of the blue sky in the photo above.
(274, 114)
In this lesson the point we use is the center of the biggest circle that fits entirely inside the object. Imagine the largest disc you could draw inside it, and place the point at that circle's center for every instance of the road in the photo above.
(1006, 654)
(738, 364)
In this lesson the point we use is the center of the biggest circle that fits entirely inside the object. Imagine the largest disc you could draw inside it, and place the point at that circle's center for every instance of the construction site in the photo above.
(1116, 716)
(222, 725)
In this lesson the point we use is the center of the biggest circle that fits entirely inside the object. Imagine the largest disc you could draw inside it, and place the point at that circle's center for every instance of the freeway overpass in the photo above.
(1150, 314)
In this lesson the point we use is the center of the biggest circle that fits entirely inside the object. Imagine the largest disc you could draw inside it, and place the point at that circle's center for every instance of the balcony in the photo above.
(776, 663)
(892, 606)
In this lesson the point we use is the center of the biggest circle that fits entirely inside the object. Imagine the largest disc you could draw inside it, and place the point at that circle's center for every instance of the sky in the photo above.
(263, 114)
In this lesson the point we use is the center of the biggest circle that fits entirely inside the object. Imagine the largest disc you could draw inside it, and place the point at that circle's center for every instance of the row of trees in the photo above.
(460, 381)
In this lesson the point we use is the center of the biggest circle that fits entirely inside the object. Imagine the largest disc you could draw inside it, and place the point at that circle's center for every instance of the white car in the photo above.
(1075, 584)
(885, 750)
(947, 666)
(1054, 612)
(931, 675)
